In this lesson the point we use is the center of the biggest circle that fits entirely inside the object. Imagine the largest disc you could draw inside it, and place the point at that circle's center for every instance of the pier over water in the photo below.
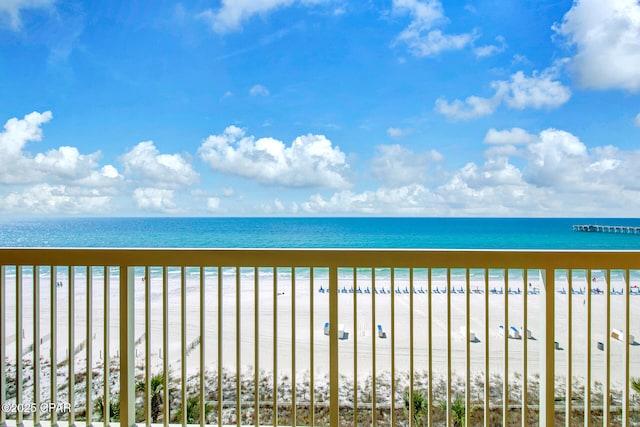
(619, 229)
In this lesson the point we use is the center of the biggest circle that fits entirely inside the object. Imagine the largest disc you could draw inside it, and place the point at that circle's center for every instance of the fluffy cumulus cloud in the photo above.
(559, 175)
(540, 90)
(310, 160)
(513, 136)
(606, 36)
(154, 199)
(10, 10)
(552, 172)
(414, 199)
(144, 161)
(395, 165)
(48, 199)
(64, 165)
(233, 13)
(422, 36)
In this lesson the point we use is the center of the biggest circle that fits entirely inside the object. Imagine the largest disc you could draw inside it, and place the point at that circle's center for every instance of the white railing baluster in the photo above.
(374, 399)
(525, 342)
(127, 346)
(203, 330)
(256, 346)
(429, 350)
(238, 379)
(487, 384)
(626, 379)
(147, 345)
(312, 394)
(411, 349)
(89, 347)
(547, 353)
(183, 345)
(506, 330)
(393, 347)
(219, 337)
(587, 382)
(334, 401)
(355, 347)
(71, 274)
(293, 347)
(19, 338)
(606, 386)
(467, 390)
(36, 344)
(106, 344)
(449, 400)
(569, 346)
(275, 346)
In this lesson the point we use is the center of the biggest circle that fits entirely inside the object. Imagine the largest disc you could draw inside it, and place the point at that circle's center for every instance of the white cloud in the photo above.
(258, 90)
(213, 204)
(164, 170)
(559, 158)
(49, 199)
(397, 132)
(561, 176)
(519, 92)
(395, 165)
(154, 199)
(64, 165)
(310, 160)
(420, 36)
(18, 132)
(10, 10)
(232, 13)
(471, 108)
(537, 91)
(637, 120)
(514, 136)
(406, 200)
(606, 35)
(491, 49)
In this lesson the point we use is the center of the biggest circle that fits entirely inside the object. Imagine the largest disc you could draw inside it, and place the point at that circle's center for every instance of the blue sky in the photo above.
(320, 107)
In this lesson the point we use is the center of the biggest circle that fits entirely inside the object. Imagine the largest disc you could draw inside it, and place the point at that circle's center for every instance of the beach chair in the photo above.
(528, 335)
(381, 334)
(514, 333)
(343, 334)
(472, 334)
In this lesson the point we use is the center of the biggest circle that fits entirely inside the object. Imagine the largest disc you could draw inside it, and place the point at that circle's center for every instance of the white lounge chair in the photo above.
(472, 334)
(381, 333)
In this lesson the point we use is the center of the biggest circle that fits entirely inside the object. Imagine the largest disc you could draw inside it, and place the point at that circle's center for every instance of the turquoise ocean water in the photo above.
(427, 233)
(445, 233)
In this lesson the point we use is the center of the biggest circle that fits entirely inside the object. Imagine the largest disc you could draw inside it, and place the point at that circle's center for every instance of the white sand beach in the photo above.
(364, 333)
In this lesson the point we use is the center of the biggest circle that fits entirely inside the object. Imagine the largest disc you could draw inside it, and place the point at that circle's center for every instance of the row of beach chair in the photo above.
(597, 291)
(421, 290)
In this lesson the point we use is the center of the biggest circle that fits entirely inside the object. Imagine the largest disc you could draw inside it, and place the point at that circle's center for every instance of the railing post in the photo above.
(127, 347)
(333, 347)
(547, 355)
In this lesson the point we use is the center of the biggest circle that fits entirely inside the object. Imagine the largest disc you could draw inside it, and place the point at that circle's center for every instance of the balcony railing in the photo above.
(318, 337)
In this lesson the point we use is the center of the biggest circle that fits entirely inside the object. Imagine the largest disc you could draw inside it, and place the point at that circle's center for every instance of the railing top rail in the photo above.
(374, 258)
